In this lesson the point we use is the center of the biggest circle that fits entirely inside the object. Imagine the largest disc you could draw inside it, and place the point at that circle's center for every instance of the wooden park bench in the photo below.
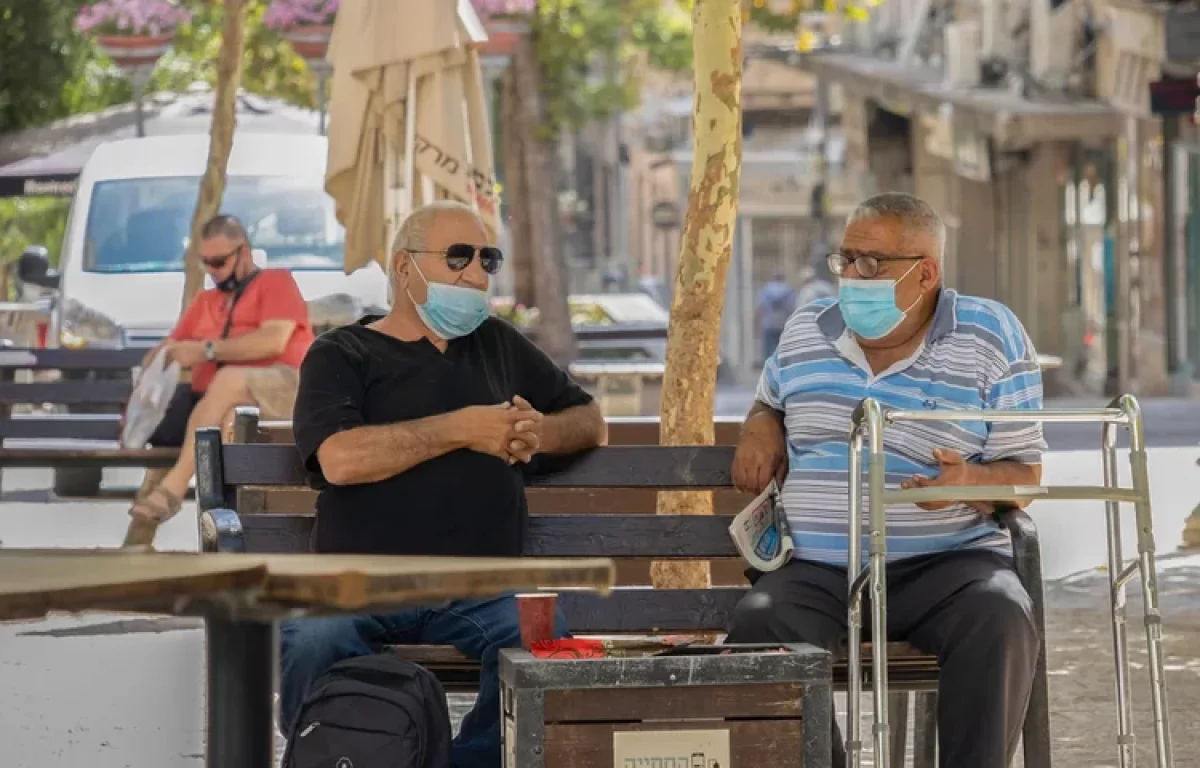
(91, 385)
(574, 512)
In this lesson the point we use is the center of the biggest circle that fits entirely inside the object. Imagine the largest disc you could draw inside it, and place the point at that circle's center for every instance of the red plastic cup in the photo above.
(535, 616)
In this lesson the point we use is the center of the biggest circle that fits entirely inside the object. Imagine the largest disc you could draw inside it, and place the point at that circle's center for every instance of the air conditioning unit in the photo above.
(962, 41)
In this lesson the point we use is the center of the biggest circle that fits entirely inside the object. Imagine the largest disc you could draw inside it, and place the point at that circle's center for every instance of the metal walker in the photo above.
(870, 419)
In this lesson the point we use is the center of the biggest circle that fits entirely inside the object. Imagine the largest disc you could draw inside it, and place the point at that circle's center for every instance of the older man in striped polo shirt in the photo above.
(896, 334)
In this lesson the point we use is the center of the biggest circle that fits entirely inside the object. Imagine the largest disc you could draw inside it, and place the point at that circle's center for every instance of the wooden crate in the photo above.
(755, 706)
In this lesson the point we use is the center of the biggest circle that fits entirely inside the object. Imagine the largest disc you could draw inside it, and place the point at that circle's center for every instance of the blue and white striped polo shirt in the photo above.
(976, 355)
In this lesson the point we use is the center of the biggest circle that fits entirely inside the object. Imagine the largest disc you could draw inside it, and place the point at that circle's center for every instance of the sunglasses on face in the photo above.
(460, 255)
(219, 262)
(866, 264)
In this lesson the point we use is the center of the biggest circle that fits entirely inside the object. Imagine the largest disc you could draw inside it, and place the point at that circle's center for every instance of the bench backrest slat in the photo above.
(63, 359)
(651, 467)
(73, 392)
(622, 430)
(74, 426)
(649, 536)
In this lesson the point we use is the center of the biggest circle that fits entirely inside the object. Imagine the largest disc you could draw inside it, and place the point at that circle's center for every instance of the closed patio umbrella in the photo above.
(407, 117)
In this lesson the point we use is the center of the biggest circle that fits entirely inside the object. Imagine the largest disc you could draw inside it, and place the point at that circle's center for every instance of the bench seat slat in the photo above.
(652, 467)
(106, 391)
(449, 656)
(646, 536)
(101, 457)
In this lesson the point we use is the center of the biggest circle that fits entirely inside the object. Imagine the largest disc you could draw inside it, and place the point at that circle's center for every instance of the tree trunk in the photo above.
(554, 333)
(516, 191)
(693, 341)
(212, 186)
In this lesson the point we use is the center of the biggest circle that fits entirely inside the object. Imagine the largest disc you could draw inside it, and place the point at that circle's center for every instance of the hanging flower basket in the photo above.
(127, 51)
(307, 25)
(505, 22)
(310, 41)
(133, 33)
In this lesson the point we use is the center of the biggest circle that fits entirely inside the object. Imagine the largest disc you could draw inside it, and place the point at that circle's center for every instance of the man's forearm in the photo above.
(1006, 473)
(371, 454)
(575, 429)
(763, 421)
(149, 356)
(261, 344)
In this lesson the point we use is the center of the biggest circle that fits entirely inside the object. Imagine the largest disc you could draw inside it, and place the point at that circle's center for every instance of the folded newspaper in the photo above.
(761, 532)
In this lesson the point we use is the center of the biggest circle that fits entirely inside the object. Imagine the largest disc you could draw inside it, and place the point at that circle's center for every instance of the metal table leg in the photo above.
(242, 659)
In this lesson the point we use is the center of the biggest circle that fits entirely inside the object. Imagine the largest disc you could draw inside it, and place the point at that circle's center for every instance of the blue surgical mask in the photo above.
(869, 306)
(451, 311)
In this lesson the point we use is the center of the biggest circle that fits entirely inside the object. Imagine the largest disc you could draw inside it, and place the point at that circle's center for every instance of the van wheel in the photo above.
(77, 481)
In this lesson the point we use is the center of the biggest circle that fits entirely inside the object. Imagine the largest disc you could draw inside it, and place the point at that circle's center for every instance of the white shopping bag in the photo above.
(149, 401)
(761, 532)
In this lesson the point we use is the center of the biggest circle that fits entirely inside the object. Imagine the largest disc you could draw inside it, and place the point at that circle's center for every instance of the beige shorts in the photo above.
(274, 390)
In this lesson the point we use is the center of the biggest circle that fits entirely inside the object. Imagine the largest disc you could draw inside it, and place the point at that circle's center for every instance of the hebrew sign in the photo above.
(671, 749)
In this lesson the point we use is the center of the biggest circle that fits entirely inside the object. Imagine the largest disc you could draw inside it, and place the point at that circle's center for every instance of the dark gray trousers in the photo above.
(968, 608)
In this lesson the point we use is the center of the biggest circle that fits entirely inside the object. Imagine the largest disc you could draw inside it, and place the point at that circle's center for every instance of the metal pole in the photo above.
(242, 659)
(1146, 564)
(1126, 739)
(877, 549)
(854, 602)
(322, 73)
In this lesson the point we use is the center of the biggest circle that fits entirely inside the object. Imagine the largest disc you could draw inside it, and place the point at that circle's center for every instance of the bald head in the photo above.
(413, 234)
(915, 217)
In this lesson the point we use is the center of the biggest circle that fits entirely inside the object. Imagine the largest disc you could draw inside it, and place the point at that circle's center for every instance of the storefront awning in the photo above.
(1010, 120)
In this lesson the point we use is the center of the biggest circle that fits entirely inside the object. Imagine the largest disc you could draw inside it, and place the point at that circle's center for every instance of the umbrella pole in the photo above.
(410, 141)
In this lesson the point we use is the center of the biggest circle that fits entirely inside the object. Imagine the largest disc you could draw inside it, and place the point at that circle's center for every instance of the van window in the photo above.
(142, 225)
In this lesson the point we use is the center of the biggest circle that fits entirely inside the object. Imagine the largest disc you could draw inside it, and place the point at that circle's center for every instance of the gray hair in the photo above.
(914, 213)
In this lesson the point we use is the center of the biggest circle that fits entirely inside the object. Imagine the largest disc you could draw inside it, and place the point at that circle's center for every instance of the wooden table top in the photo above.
(35, 582)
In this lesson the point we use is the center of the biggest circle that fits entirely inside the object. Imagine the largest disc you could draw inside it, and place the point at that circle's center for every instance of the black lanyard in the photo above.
(233, 302)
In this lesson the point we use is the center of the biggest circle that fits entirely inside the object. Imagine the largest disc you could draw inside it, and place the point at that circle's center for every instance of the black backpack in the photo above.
(372, 712)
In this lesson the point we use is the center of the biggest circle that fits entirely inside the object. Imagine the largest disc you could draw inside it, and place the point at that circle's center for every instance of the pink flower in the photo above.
(486, 8)
(135, 17)
(285, 14)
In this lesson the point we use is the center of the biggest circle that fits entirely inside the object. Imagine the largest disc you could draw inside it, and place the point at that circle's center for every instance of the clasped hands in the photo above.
(511, 430)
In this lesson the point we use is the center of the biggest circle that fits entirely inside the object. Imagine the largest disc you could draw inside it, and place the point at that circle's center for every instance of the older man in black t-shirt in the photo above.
(414, 427)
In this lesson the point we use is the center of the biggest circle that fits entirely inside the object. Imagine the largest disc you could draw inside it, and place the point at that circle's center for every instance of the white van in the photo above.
(122, 257)
(120, 278)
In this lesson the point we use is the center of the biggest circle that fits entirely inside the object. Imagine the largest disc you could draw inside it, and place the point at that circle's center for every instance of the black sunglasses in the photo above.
(221, 261)
(866, 264)
(460, 255)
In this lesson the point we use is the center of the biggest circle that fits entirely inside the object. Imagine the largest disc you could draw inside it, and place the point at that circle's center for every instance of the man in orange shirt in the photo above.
(243, 342)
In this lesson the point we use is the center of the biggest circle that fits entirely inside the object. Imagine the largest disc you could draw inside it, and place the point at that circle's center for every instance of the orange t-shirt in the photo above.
(273, 295)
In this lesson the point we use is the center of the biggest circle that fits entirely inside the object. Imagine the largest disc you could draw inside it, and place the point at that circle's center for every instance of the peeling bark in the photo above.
(693, 341)
(224, 120)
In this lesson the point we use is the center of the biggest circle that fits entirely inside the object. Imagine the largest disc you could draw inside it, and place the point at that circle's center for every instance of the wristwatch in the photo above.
(210, 351)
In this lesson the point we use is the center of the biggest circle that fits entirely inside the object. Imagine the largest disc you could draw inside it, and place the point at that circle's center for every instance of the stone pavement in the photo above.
(89, 691)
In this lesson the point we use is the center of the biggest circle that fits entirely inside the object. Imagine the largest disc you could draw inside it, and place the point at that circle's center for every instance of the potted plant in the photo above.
(132, 33)
(307, 24)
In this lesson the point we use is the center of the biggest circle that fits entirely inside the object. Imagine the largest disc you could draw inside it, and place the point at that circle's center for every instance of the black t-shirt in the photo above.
(462, 503)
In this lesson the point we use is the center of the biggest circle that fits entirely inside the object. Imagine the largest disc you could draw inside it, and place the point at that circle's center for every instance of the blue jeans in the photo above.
(477, 628)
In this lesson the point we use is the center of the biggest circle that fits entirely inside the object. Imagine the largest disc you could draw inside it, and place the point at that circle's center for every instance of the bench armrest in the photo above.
(221, 531)
(1027, 552)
